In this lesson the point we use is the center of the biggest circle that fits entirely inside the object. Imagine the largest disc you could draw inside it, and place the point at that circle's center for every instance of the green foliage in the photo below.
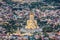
(45, 34)
(47, 29)
(10, 26)
(56, 27)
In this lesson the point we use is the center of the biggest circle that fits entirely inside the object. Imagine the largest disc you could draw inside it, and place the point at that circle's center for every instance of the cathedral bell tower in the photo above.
(31, 23)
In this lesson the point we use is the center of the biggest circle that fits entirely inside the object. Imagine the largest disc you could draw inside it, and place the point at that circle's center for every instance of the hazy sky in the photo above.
(22, 0)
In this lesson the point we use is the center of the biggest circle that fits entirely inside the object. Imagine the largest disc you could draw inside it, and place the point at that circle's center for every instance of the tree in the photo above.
(25, 4)
(47, 29)
(10, 26)
(45, 34)
(51, 1)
